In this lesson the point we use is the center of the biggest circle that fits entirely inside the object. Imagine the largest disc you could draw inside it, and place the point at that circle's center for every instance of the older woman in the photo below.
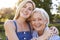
(18, 29)
(39, 21)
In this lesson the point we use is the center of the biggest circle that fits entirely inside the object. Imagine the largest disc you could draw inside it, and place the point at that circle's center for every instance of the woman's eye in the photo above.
(29, 9)
(24, 6)
(33, 20)
(39, 19)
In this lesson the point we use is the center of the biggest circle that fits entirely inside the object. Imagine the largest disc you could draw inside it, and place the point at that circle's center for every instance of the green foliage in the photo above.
(56, 18)
(2, 33)
(58, 9)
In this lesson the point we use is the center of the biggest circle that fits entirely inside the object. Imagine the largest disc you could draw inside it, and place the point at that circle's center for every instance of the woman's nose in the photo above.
(37, 22)
(25, 10)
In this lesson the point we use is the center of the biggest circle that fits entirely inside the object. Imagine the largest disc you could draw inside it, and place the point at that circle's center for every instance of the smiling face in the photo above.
(26, 10)
(37, 21)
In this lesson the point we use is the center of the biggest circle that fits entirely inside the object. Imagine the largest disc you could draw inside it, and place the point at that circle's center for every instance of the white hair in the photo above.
(43, 13)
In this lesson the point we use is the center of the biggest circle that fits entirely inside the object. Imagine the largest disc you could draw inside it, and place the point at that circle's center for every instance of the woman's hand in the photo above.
(47, 34)
(55, 30)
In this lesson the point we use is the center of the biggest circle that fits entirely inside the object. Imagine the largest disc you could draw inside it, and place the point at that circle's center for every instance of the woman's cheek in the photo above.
(33, 24)
(30, 13)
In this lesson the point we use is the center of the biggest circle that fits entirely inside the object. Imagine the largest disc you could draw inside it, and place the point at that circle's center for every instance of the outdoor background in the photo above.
(8, 9)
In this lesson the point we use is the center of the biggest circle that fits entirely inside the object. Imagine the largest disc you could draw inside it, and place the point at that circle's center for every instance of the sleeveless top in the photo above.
(24, 35)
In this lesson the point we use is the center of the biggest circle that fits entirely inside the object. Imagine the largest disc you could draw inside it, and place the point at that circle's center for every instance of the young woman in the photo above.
(39, 21)
(18, 29)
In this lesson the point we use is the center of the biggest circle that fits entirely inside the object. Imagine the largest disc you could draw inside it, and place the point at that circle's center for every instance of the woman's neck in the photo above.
(21, 20)
(40, 32)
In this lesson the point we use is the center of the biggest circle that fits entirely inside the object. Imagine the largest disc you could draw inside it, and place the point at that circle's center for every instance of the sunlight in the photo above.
(7, 3)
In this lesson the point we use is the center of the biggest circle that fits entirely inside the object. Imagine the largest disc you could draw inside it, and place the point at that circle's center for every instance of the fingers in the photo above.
(55, 30)
(48, 33)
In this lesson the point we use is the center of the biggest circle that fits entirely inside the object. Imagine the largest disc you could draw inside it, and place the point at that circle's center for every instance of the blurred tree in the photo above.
(19, 1)
(45, 4)
(7, 13)
(56, 18)
(58, 9)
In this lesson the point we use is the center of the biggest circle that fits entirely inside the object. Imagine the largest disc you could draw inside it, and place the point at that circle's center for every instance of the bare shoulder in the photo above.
(9, 24)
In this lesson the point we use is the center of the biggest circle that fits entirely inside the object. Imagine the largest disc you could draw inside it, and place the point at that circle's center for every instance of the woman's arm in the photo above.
(10, 30)
(46, 35)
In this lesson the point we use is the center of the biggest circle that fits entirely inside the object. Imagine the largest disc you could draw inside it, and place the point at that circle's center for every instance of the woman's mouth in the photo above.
(37, 26)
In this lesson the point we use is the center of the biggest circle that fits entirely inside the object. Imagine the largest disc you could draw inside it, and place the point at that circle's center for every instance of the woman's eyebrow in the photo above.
(30, 8)
(24, 6)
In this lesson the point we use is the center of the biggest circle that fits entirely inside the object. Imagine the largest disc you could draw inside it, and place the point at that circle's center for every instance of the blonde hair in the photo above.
(43, 13)
(20, 6)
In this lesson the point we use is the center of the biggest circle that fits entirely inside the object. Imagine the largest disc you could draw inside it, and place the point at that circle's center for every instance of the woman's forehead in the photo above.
(29, 4)
(37, 14)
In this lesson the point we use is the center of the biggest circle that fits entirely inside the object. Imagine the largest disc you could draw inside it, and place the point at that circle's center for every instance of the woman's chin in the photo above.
(37, 29)
(26, 16)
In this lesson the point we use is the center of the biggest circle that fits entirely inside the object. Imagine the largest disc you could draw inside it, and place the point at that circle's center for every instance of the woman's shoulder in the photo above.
(8, 24)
